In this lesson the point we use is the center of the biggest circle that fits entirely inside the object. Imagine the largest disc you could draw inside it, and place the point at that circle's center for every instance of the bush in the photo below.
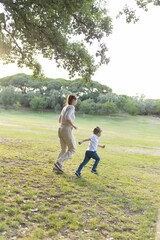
(8, 96)
(53, 98)
(109, 107)
(141, 106)
(150, 106)
(123, 99)
(17, 105)
(130, 107)
(38, 103)
(26, 98)
(78, 105)
(108, 97)
(88, 106)
(58, 107)
(157, 108)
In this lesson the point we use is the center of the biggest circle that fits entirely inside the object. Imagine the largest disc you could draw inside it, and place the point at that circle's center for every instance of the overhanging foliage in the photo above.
(33, 27)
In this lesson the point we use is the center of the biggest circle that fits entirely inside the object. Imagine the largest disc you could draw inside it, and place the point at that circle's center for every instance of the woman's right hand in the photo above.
(71, 124)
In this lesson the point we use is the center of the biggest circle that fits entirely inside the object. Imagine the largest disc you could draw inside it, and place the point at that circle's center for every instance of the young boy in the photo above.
(91, 151)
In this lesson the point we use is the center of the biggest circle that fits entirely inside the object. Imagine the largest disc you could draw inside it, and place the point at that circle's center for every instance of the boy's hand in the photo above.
(103, 146)
(80, 142)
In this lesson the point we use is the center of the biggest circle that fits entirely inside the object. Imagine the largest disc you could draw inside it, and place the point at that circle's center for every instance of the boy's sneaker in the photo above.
(94, 171)
(56, 170)
(58, 165)
(78, 174)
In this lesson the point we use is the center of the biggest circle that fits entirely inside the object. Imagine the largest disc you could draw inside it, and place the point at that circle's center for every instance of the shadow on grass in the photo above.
(83, 183)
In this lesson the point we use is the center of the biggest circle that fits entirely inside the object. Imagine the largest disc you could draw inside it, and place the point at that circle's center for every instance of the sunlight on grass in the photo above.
(121, 203)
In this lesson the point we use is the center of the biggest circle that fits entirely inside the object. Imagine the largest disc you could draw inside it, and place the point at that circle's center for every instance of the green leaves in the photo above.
(47, 28)
(130, 13)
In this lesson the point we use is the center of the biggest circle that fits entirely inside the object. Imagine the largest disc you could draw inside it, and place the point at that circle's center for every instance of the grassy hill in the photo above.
(121, 203)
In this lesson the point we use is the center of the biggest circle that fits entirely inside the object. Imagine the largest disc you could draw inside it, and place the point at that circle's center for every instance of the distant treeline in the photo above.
(39, 94)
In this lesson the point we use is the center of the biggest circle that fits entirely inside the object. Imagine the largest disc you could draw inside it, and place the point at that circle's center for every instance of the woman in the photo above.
(65, 134)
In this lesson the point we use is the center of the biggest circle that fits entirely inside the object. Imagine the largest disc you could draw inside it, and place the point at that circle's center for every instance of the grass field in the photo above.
(121, 203)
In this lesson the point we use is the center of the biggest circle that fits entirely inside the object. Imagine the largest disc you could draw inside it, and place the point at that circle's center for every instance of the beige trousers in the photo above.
(68, 144)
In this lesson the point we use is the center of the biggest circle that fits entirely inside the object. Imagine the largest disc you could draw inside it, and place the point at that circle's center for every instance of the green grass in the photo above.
(121, 203)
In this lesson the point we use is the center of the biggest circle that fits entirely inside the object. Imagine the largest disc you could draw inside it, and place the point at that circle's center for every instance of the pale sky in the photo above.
(134, 51)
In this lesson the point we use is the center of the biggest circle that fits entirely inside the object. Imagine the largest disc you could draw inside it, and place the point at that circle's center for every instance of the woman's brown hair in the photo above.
(70, 98)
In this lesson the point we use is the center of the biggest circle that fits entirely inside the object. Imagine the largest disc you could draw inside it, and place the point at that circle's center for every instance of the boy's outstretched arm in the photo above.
(102, 146)
(85, 140)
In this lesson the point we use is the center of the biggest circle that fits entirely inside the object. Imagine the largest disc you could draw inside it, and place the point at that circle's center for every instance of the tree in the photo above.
(58, 108)
(9, 80)
(88, 106)
(130, 13)
(130, 107)
(141, 106)
(111, 97)
(123, 99)
(109, 107)
(157, 107)
(54, 85)
(53, 98)
(29, 28)
(9, 96)
(25, 99)
(89, 91)
(150, 106)
(38, 103)
(20, 82)
(146, 106)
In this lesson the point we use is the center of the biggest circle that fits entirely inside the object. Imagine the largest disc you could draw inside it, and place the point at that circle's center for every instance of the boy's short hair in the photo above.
(97, 130)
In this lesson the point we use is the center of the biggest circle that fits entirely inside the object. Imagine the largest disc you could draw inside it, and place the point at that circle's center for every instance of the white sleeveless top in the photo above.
(67, 113)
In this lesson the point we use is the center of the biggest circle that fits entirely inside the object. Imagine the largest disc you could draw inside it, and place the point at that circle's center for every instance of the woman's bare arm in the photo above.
(60, 118)
(72, 125)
